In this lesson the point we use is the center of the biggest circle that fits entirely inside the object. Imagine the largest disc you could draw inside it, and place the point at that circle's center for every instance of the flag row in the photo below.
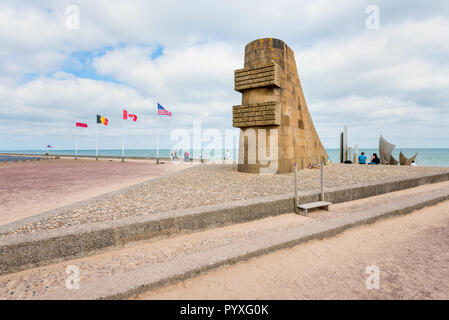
(126, 116)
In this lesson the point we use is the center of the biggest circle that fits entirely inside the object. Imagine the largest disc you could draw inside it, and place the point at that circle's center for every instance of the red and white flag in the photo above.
(127, 115)
(82, 125)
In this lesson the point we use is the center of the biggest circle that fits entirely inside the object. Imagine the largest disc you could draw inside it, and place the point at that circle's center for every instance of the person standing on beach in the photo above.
(362, 158)
(186, 156)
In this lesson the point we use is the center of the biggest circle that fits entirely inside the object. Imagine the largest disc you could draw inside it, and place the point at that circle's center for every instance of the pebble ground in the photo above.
(213, 184)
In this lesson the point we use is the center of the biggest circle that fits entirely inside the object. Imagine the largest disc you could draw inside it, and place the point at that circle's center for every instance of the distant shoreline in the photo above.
(432, 157)
(65, 156)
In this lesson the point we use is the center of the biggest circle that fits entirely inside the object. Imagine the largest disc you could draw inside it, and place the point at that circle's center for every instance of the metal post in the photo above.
(345, 143)
(322, 181)
(157, 147)
(341, 148)
(296, 188)
(76, 143)
(123, 140)
(96, 145)
(350, 154)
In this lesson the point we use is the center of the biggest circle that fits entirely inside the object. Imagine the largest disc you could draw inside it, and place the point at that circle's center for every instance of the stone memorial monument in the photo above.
(276, 129)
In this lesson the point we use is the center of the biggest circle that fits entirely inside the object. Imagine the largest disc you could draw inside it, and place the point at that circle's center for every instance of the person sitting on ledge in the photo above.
(362, 158)
(374, 159)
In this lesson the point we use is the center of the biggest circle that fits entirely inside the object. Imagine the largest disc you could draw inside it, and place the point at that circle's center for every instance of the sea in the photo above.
(433, 157)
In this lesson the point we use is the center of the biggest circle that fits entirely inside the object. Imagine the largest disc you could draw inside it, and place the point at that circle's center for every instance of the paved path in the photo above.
(27, 189)
(146, 262)
(411, 252)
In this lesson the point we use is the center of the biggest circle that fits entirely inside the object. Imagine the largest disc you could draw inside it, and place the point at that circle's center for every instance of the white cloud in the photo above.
(195, 83)
(404, 121)
(397, 57)
(195, 73)
(50, 106)
(397, 75)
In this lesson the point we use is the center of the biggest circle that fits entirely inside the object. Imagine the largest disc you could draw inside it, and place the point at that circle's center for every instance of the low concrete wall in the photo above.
(19, 252)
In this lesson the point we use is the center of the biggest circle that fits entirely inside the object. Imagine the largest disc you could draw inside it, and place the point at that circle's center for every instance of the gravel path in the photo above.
(211, 184)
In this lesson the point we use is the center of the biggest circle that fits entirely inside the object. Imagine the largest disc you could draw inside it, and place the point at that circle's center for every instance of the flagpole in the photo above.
(76, 143)
(96, 145)
(157, 161)
(123, 140)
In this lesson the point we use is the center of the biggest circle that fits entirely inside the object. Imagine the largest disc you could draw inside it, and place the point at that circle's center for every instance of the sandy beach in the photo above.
(29, 188)
(411, 252)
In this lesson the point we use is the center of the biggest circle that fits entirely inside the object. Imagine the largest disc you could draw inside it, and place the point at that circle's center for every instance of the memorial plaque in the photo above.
(257, 114)
(268, 75)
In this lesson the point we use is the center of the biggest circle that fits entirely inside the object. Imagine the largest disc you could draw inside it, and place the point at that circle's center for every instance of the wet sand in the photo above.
(411, 252)
(29, 188)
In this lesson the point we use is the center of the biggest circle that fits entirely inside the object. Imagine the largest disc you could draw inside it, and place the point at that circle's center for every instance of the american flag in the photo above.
(161, 111)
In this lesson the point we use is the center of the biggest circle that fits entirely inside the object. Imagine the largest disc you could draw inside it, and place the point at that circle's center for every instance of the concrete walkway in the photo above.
(411, 253)
(141, 266)
(27, 189)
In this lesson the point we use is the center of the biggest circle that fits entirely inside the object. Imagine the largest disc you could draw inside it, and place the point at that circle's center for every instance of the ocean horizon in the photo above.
(432, 157)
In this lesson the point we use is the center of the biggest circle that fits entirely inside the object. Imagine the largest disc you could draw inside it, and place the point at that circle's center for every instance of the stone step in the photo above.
(304, 208)
(144, 265)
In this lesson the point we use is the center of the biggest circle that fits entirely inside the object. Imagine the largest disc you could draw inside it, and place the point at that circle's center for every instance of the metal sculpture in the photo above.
(404, 161)
(385, 150)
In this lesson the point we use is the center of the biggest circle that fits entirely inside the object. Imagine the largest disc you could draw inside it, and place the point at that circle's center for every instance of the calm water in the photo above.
(16, 158)
(426, 157)
(438, 157)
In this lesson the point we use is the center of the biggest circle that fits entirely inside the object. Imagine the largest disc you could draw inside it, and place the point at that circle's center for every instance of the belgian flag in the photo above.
(102, 120)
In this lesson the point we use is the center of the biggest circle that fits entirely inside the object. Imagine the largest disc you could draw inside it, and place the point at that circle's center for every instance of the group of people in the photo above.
(375, 159)
(174, 156)
(362, 158)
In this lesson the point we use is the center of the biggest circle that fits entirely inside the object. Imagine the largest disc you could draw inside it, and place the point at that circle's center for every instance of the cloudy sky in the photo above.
(392, 80)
